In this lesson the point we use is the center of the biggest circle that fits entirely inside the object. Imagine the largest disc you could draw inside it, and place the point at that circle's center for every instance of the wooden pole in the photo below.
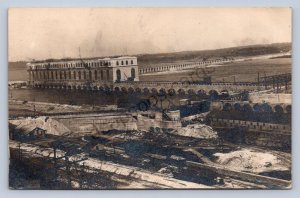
(55, 164)
(81, 176)
(68, 172)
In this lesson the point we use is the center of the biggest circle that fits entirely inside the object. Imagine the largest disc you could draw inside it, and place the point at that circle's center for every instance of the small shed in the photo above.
(36, 132)
(30, 132)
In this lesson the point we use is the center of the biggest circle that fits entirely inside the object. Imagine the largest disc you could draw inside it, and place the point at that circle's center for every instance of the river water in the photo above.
(93, 97)
(62, 96)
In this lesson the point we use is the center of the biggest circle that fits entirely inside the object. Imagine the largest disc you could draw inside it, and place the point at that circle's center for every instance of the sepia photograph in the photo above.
(150, 98)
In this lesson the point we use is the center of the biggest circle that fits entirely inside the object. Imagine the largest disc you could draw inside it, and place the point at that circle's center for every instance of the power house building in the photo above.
(82, 73)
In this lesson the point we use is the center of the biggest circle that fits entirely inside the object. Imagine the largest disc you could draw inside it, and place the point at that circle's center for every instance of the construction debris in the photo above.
(197, 131)
(252, 161)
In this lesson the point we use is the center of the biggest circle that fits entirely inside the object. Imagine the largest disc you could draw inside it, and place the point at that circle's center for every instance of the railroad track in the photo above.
(117, 153)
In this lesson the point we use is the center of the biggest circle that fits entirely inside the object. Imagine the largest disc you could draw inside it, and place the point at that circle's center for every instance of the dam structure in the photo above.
(121, 74)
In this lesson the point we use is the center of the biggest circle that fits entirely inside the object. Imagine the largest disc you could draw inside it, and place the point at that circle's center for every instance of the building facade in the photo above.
(72, 73)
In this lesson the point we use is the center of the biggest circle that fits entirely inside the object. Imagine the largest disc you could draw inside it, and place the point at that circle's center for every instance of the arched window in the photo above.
(74, 74)
(117, 62)
(126, 62)
(65, 75)
(90, 75)
(79, 75)
(122, 62)
(60, 75)
(133, 73)
(84, 75)
(132, 62)
(118, 73)
(101, 75)
(95, 74)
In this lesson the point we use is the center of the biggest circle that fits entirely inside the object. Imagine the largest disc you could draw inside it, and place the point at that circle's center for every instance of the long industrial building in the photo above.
(82, 72)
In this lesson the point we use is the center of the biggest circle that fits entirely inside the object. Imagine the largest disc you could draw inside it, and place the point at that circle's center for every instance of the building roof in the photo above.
(124, 57)
(26, 129)
(80, 59)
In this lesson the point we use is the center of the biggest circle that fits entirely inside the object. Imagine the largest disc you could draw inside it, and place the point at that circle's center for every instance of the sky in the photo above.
(43, 33)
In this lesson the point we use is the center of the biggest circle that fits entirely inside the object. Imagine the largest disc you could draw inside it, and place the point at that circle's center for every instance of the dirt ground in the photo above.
(255, 161)
(17, 108)
(245, 71)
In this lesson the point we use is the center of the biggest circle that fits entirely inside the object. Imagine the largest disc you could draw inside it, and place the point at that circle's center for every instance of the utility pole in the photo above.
(67, 164)
(286, 84)
(81, 176)
(55, 164)
(68, 172)
(265, 80)
(258, 81)
(20, 152)
(34, 111)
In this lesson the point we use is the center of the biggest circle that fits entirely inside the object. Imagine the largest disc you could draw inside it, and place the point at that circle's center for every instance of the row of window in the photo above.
(82, 64)
(73, 65)
(126, 62)
(254, 126)
(258, 124)
(70, 75)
